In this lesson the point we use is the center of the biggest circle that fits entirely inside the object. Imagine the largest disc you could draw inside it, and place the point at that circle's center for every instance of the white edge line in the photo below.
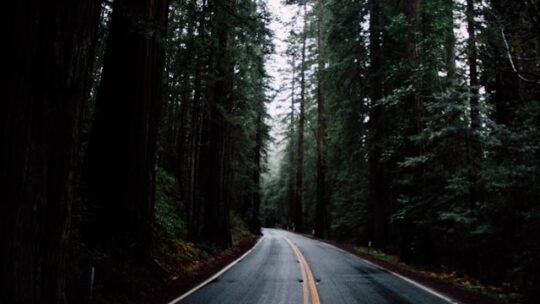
(222, 271)
(410, 281)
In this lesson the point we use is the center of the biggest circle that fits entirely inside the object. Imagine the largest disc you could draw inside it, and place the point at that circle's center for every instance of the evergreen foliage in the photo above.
(432, 132)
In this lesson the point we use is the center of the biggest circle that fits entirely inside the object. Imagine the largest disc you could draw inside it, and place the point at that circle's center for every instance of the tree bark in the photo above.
(216, 142)
(414, 100)
(413, 110)
(50, 52)
(291, 193)
(475, 149)
(298, 213)
(256, 177)
(321, 217)
(379, 198)
(450, 45)
(120, 166)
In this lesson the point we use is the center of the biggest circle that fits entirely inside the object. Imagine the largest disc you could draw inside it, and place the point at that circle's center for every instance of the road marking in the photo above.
(410, 281)
(304, 275)
(306, 272)
(222, 271)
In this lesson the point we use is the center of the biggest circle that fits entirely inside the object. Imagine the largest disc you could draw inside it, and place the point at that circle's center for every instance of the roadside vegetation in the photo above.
(413, 126)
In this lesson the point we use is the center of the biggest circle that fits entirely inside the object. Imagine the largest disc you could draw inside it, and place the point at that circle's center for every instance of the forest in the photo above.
(146, 143)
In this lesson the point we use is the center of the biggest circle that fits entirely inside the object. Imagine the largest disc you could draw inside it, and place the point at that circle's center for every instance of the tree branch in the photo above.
(512, 61)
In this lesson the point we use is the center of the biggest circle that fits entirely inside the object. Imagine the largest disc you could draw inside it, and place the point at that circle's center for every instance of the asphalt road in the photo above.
(289, 268)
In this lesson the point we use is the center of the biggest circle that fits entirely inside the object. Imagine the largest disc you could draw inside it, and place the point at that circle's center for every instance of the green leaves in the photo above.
(168, 205)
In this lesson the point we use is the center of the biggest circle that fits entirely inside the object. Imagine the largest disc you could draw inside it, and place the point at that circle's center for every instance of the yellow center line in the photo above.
(306, 272)
(304, 278)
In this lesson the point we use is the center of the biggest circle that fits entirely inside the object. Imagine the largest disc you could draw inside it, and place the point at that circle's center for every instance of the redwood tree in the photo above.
(215, 149)
(50, 54)
(379, 183)
(321, 216)
(120, 163)
(297, 212)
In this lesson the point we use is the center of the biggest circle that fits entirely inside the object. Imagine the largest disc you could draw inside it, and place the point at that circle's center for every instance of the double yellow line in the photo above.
(308, 281)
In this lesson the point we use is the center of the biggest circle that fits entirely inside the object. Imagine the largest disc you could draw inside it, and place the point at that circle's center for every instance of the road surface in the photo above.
(288, 268)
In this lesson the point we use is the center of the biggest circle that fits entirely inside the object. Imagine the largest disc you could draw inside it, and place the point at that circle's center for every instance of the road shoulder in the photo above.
(455, 292)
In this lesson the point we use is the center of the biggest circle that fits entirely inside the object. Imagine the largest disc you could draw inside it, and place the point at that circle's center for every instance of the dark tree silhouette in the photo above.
(120, 164)
(50, 48)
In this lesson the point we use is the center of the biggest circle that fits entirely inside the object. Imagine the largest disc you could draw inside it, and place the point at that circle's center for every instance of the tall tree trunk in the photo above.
(298, 213)
(291, 193)
(321, 217)
(121, 155)
(450, 45)
(198, 124)
(414, 100)
(50, 52)
(256, 177)
(193, 162)
(216, 144)
(379, 197)
(475, 150)
(413, 109)
(187, 148)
